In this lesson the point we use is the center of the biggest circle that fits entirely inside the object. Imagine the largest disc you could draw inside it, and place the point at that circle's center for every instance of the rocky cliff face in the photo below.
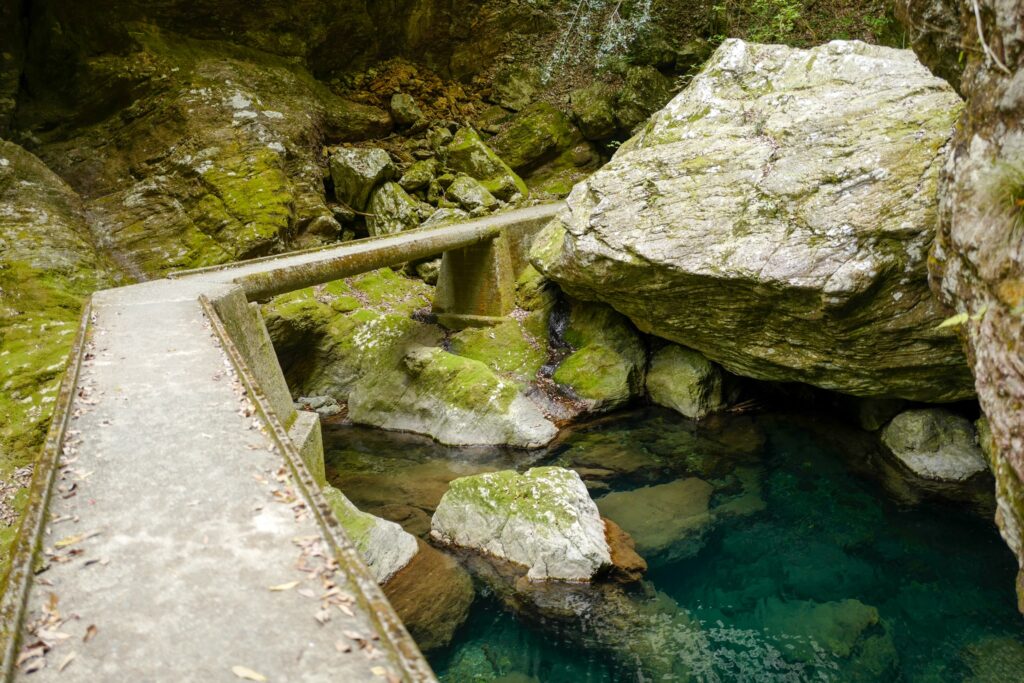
(776, 216)
(977, 263)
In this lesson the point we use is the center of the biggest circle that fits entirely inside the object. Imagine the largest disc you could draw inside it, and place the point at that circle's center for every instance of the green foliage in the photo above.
(804, 23)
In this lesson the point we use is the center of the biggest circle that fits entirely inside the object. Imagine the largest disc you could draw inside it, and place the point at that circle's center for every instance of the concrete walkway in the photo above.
(185, 540)
(175, 518)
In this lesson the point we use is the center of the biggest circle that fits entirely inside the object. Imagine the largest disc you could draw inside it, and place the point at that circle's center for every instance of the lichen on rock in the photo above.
(543, 519)
(776, 216)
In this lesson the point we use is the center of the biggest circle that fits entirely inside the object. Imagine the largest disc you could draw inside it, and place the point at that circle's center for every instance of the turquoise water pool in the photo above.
(800, 558)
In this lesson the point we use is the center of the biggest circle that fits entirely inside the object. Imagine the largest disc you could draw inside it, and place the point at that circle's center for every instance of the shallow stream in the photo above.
(784, 548)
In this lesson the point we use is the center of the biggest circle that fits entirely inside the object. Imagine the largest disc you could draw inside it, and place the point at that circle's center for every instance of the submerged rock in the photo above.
(458, 401)
(667, 521)
(685, 381)
(935, 444)
(430, 591)
(432, 595)
(543, 519)
(356, 172)
(775, 216)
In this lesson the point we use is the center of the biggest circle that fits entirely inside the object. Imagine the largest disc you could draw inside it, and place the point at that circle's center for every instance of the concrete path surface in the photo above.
(178, 549)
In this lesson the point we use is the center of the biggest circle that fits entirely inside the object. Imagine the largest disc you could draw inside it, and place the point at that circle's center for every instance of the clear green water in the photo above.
(809, 565)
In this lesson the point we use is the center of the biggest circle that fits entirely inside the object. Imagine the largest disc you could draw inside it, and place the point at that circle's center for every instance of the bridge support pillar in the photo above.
(476, 285)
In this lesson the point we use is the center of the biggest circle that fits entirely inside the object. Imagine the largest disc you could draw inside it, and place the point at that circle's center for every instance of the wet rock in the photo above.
(773, 253)
(456, 400)
(419, 175)
(685, 381)
(667, 521)
(431, 595)
(607, 368)
(384, 546)
(935, 444)
(404, 109)
(627, 565)
(470, 195)
(391, 210)
(543, 519)
(467, 153)
(538, 134)
(356, 173)
(428, 271)
(492, 118)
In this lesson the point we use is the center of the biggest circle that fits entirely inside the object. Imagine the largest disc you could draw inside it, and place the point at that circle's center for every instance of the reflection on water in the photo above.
(773, 556)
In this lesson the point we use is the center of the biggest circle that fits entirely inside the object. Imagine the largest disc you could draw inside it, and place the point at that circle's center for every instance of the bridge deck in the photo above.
(177, 541)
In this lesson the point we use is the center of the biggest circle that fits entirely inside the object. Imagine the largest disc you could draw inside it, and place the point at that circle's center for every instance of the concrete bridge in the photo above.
(176, 530)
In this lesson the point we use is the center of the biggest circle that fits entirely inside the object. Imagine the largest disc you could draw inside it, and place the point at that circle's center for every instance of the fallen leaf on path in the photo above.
(247, 674)
(90, 633)
(285, 586)
(67, 660)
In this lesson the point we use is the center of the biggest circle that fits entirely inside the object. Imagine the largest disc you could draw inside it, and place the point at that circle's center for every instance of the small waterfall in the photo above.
(596, 30)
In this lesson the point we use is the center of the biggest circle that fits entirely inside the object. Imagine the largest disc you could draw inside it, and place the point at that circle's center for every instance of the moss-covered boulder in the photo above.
(606, 368)
(537, 134)
(456, 400)
(543, 519)
(328, 337)
(391, 210)
(644, 92)
(385, 547)
(49, 264)
(593, 108)
(513, 349)
(471, 195)
(775, 217)
(684, 380)
(356, 172)
(467, 153)
(190, 153)
(419, 175)
(935, 444)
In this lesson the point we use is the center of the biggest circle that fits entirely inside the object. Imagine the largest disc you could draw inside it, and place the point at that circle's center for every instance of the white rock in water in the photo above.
(776, 217)
(543, 519)
(935, 444)
(385, 546)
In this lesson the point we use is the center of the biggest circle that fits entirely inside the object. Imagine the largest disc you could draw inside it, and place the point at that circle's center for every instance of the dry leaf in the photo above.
(341, 646)
(90, 633)
(67, 660)
(379, 671)
(247, 674)
(285, 586)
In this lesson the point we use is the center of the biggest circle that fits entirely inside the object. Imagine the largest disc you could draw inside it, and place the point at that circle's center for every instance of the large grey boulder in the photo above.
(543, 519)
(935, 444)
(776, 217)
(356, 172)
